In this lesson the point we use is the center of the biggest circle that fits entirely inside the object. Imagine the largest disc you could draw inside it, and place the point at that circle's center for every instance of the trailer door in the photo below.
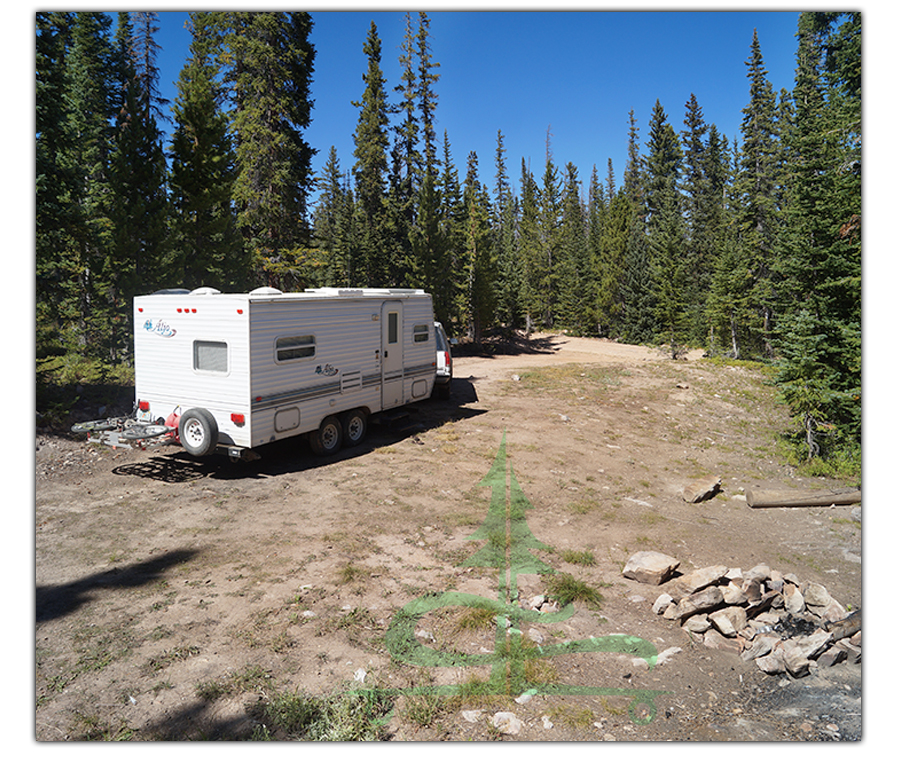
(392, 354)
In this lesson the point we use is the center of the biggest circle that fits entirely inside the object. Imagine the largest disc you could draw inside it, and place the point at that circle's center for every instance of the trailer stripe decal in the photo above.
(274, 401)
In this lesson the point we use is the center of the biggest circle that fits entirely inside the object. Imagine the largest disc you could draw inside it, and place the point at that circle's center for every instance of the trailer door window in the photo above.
(294, 347)
(211, 356)
(393, 327)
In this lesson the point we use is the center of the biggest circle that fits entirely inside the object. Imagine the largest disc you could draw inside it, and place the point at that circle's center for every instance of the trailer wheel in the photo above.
(198, 432)
(355, 427)
(327, 439)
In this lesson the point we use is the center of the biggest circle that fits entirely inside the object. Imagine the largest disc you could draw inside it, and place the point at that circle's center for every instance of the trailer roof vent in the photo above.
(204, 291)
(265, 292)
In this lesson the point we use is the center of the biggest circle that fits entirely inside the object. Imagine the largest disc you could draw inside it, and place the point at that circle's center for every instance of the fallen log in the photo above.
(793, 499)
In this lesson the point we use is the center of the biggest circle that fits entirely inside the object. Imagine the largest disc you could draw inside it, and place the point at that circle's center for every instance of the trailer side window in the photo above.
(420, 333)
(211, 356)
(295, 347)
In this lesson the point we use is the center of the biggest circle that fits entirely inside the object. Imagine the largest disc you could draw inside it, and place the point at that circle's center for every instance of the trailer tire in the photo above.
(355, 427)
(198, 432)
(327, 439)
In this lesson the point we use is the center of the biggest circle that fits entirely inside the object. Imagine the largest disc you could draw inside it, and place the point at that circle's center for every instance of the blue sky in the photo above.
(576, 73)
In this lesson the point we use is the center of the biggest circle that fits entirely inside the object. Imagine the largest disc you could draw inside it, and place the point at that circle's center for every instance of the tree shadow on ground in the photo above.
(508, 344)
(54, 601)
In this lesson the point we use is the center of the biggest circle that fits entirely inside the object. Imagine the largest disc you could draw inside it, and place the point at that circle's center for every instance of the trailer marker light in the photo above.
(240, 311)
(140, 309)
(194, 310)
(237, 418)
(179, 310)
(143, 406)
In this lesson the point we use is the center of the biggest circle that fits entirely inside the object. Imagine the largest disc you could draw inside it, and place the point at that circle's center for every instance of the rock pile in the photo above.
(783, 624)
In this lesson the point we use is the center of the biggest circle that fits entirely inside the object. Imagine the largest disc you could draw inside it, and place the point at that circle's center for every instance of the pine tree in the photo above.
(140, 208)
(756, 186)
(206, 246)
(638, 322)
(89, 75)
(549, 214)
(479, 267)
(448, 291)
(56, 181)
(504, 235)
(729, 305)
(818, 268)
(429, 250)
(331, 223)
(370, 263)
(270, 65)
(574, 270)
(531, 261)
(665, 230)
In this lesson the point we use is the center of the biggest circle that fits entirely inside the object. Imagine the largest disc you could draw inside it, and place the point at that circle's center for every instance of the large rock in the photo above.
(650, 567)
(700, 602)
(702, 577)
(729, 621)
(701, 490)
(799, 652)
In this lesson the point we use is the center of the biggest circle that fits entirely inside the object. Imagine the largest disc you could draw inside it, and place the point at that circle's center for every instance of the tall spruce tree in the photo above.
(331, 222)
(549, 215)
(207, 248)
(429, 259)
(448, 292)
(817, 271)
(56, 180)
(370, 257)
(575, 273)
(83, 309)
(666, 230)
(504, 235)
(479, 267)
(531, 261)
(270, 66)
(756, 185)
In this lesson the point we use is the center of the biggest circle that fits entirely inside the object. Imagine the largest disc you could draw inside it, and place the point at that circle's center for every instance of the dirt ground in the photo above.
(157, 573)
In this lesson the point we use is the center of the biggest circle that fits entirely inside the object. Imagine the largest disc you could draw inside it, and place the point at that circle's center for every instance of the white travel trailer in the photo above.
(233, 371)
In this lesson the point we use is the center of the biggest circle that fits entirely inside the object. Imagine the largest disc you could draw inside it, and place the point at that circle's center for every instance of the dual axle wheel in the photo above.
(347, 429)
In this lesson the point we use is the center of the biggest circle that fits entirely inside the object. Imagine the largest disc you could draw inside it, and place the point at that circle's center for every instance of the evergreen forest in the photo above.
(746, 245)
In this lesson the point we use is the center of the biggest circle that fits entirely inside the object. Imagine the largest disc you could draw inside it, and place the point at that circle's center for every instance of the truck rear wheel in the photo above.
(354, 424)
(327, 439)
(198, 432)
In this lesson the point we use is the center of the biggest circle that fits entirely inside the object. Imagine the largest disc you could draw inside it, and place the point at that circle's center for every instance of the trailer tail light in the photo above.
(144, 406)
(237, 418)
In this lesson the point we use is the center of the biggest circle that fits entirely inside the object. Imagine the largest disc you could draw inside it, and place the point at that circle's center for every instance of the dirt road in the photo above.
(160, 577)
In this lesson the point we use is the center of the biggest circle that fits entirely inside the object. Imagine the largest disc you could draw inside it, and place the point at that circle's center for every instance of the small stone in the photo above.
(832, 656)
(717, 641)
(666, 655)
(733, 594)
(759, 573)
(793, 599)
(507, 723)
(762, 645)
(773, 663)
(472, 716)
(697, 624)
(650, 567)
(662, 602)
